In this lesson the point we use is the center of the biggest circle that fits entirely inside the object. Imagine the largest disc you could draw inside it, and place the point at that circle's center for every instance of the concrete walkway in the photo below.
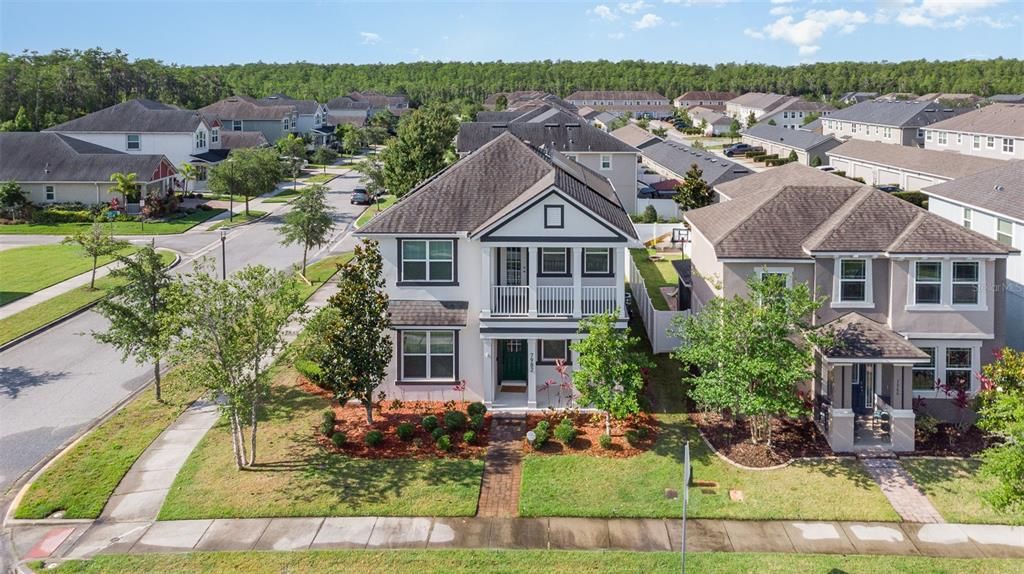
(898, 486)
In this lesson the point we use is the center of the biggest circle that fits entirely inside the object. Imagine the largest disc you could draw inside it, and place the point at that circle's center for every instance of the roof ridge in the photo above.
(914, 224)
(829, 225)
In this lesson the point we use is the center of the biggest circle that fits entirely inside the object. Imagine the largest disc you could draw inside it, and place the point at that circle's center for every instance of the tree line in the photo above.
(65, 84)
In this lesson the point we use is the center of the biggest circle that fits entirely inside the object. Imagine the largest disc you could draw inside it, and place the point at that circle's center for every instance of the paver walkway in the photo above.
(499, 488)
(906, 498)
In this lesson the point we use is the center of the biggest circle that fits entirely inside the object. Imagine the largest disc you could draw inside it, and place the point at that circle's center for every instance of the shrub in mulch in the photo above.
(589, 428)
(790, 439)
(350, 423)
(947, 440)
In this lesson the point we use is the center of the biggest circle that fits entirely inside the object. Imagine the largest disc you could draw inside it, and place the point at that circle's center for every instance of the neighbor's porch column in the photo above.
(841, 424)
(531, 254)
(576, 259)
(619, 261)
(531, 373)
(485, 285)
(901, 423)
(488, 381)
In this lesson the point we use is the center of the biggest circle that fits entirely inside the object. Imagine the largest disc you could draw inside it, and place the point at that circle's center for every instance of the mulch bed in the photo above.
(351, 419)
(590, 428)
(790, 439)
(948, 441)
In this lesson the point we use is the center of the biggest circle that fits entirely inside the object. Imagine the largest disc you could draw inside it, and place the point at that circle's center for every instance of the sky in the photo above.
(783, 32)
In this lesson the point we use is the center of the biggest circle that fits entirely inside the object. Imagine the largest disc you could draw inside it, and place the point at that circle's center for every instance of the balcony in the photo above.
(552, 301)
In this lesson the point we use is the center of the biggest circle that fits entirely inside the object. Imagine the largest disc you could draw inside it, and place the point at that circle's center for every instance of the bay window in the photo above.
(428, 356)
(427, 260)
(928, 283)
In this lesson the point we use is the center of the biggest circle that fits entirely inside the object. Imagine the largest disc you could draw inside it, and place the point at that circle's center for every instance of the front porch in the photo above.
(522, 374)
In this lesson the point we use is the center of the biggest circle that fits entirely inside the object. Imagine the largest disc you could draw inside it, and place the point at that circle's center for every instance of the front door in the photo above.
(863, 386)
(513, 360)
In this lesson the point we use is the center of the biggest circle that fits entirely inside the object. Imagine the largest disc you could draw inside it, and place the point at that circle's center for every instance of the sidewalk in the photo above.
(52, 291)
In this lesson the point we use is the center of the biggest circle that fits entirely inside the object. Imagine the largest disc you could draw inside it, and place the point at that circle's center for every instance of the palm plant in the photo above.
(124, 184)
(188, 173)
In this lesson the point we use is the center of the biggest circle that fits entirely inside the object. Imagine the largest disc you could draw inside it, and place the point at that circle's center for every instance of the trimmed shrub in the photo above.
(469, 437)
(916, 197)
(373, 438)
(633, 437)
(477, 422)
(327, 428)
(444, 444)
(405, 431)
(429, 423)
(338, 439)
(542, 432)
(605, 441)
(454, 420)
(476, 409)
(309, 369)
(650, 215)
(565, 431)
(437, 433)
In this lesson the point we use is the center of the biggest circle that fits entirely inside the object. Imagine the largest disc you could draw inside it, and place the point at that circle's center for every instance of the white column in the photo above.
(531, 373)
(485, 285)
(620, 279)
(532, 255)
(489, 383)
(577, 282)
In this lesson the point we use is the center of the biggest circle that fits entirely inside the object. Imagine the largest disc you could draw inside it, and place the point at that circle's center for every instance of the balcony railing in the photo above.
(597, 300)
(510, 300)
(552, 300)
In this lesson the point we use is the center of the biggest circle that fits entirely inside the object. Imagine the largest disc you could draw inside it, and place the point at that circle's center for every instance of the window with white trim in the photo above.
(200, 139)
(958, 367)
(968, 217)
(1004, 232)
(134, 142)
(928, 135)
(942, 138)
(597, 261)
(554, 350)
(428, 355)
(966, 282)
(284, 124)
(928, 282)
(923, 378)
(976, 142)
(50, 194)
(606, 161)
(236, 125)
(853, 280)
(428, 260)
(887, 133)
(214, 135)
(1007, 145)
(959, 139)
(990, 142)
(554, 261)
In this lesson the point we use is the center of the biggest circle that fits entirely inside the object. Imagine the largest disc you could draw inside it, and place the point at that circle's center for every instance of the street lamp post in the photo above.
(223, 254)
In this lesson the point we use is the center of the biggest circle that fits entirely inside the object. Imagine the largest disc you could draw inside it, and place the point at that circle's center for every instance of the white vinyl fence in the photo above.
(656, 322)
(648, 231)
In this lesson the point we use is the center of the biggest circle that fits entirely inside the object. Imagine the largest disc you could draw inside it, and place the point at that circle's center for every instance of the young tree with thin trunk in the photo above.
(95, 243)
(231, 329)
(609, 375)
(140, 322)
(309, 222)
(293, 149)
(360, 333)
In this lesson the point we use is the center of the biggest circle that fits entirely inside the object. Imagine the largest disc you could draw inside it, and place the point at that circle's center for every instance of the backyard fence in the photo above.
(656, 322)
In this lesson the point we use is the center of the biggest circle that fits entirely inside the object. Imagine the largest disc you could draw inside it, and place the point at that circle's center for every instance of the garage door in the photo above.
(886, 177)
(840, 164)
(864, 172)
(915, 183)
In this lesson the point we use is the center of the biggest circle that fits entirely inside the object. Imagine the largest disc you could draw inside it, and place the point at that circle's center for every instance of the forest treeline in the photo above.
(65, 84)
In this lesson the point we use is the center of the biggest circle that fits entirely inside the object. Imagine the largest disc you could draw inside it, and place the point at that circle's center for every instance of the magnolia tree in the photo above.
(230, 331)
(609, 373)
(693, 192)
(752, 352)
(1001, 412)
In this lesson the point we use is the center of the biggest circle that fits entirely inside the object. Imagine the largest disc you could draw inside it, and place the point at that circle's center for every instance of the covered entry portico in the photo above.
(519, 365)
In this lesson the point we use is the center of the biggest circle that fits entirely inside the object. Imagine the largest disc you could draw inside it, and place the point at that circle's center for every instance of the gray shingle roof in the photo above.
(408, 313)
(246, 108)
(1007, 98)
(705, 96)
(858, 337)
(560, 131)
(712, 117)
(614, 95)
(945, 164)
(760, 101)
(995, 119)
(635, 135)
(998, 190)
(347, 103)
(679, 158)
(772, 180)
(135, 116)
(306, 107)
(46, 156)
(899, 114)
(235, 140)
(799, 139)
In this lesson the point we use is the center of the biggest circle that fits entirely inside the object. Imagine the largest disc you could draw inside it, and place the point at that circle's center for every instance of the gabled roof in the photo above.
(635, 135)
(135, 116)
(488, 182)
(347, 103)
(898, 114)
(614, 95)
(705, 96)
(860, 338)
(235, 140)
(698, 113)
(678, 158)
(246, 108)
(305, 107)
(946, 164)
(772, 180)
(379, 100)
(47, 156)
(798, 139)
(554, 129)
(996, 119)
(802, 105)
(998, 190)
(760, 101)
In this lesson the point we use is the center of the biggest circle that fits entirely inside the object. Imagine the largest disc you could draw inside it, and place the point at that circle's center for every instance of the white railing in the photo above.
(554, 300)
(597, 300)
(510, 299)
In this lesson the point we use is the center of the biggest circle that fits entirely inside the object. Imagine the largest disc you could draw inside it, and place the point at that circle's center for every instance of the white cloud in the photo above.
(633, 7)
(783, 1)
(648, 21)
(805, 33)
(781, 10)
(940, 13)
(617, 35)
(603, 12)
(370, 37)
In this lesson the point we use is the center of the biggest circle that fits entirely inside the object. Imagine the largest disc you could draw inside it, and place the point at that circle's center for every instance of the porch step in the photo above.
(510, 423)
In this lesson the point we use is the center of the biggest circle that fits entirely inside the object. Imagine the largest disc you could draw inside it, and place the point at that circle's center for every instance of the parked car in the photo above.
(361, 197)
(827, 168)
(888, 188)
(737, 148)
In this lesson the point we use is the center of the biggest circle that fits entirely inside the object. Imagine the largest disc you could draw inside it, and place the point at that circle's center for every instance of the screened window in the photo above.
(1004, 232)
(928, 283)
(853, 280)
(597, 261)
(924, 374)
(134, 141)
(1007, 145)
(968, 217)
(551, 351)
(554, 261)
(958, 367)
(965, 282)
(428, 355)
(428, 260)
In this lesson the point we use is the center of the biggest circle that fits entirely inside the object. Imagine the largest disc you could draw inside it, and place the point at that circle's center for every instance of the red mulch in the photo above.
(948, 441)
(590, 427)
(351, 419)
(790, 439)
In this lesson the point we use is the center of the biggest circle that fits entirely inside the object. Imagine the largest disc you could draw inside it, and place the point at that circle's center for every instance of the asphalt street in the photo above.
(57, 382)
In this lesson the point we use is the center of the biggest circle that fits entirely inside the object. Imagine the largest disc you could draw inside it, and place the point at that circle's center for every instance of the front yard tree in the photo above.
(420, 149)
(188, 173)
(309, 222)
(752, 352)
(353, 141)
(324, 156)
(751, 119)
(693, 192)
(247, 172)
(293, 150)
(125, 184)
(360, 334)
(95, 243)
(230, 330)
(12, 198)
(609, 376)
(140, 322)
(734, 129)
(1001, 412)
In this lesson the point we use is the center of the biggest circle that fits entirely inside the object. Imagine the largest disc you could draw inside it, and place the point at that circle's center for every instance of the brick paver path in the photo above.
(898, 486)
(499, 490)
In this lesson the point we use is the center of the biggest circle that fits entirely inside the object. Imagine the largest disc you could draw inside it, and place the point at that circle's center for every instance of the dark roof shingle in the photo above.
(47, 156)
(409, 313)
(999, 190)
(900, 114)
(858, 337)
(136, 116)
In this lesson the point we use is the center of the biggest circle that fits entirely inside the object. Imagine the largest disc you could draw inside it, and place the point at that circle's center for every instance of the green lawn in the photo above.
(373, 210)
(954, 487)
(170, 226)
(25, 270)
(38, 315)
(239, 219)
(656, 274)
(525, 562)
(319, 178)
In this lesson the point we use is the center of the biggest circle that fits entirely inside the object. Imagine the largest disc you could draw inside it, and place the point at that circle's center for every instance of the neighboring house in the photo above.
(345, 110)
(788, 174)
(715, 123)
(850, 98)
(793, 114)
(912, 298)
(240, 140)
(991, 202)
(604, 119)
(895, 122)
(757, 103)
(57, 168)
(642, 104)
(703, 98)
(245, 114)
(995, 131)
(911, 168)
(528, 98)
(565, 133)
(311, 113)
(671, 160)
(397, 104)
(782, 141)
(944, 98)
(491, 264)
(634, 135)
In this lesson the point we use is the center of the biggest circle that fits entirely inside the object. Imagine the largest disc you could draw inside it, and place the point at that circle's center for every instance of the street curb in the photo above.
(70, 315)
(265, 215)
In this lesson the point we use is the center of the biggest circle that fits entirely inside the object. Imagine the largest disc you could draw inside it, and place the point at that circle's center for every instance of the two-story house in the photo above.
(642, 104)
(311, 116)
(756, 103)
(994, 131)
(913, 300)
(795, 113)
(246, 114)
(892, 122)
(992, 203)
(551, 127)
(491, 264)
(708, 99)
(714, 123)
